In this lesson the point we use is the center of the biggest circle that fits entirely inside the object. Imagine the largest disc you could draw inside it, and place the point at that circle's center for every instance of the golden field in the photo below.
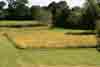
(50, 39)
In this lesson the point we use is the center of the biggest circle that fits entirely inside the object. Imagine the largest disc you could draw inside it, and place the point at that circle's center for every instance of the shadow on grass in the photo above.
(81, 33)
(21, 26)
(12, 41)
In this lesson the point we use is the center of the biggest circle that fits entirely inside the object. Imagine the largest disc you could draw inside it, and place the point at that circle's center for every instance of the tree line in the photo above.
(59, 14)
(16, 10)
(77, 17)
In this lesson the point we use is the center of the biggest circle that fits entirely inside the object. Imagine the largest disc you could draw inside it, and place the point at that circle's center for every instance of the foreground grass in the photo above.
(7, 53)
(87, 56)
(12, 57)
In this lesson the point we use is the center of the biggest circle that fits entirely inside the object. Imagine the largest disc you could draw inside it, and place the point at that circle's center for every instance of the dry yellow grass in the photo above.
(38, 39)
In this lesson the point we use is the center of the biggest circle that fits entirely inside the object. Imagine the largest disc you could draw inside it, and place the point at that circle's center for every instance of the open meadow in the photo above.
(47, 48)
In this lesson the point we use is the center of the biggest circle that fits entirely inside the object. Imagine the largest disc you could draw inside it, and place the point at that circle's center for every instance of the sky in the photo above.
(71, 3)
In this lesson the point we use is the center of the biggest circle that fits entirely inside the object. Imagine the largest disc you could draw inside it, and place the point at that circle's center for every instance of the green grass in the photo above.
(87, 56)
(36, 28)
(4, 22)
(71, 30)
(13, 22)
(12, 57)
(7, 53)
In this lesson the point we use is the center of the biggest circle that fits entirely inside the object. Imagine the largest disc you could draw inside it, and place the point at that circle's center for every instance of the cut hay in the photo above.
(49, 39)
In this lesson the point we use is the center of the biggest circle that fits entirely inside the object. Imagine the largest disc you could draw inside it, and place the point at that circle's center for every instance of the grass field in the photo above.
(38, 57)
(46, 57)
(11, 57)
(47, 38)
(17, 22)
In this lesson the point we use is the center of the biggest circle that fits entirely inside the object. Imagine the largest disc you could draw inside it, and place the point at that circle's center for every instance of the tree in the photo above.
(59, 13)
(75, 16)
(18, 9)
(62, 12)
(11, 8)
(22, 1)
(2, 12)
(52, 8)
(35, 10)
(90, 13)
(2, 4)
(22, 9)
(98, 25)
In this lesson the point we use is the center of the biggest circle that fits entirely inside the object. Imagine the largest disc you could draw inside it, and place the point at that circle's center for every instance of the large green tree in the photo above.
(35, 11)
(59, 13)
(97, 8)
(18, 8)
(2, 4)
(2, 12)
(21, 9)
(52, 8)
(90, 12)
(75, 16)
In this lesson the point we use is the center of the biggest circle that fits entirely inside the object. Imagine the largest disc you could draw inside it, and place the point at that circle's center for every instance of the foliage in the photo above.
(58, 14)
(76, 15)
(91, 11)
(35, 10)
(2, 4)
(18, 9)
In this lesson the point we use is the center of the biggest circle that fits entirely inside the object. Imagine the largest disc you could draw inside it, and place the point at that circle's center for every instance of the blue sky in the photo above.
(71, 3)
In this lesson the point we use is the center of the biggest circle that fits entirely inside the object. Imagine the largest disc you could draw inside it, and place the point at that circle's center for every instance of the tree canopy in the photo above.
(59, 12)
